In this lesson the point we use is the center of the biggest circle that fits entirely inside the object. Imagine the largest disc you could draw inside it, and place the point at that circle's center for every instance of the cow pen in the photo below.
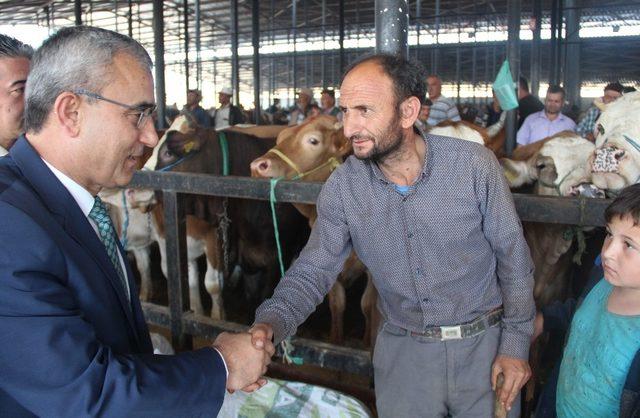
(184, 324)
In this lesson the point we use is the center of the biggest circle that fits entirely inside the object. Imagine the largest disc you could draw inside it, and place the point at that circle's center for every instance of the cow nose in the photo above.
(261, 167)
(619, 154)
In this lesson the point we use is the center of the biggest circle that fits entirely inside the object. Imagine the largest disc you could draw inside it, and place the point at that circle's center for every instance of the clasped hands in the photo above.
(247, 355)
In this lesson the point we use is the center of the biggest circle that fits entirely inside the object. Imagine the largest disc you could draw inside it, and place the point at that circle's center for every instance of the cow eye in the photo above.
(540, 166)
(314, 141)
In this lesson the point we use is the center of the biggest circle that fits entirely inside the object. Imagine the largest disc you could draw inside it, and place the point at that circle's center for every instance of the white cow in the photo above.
(136, 232)
(559, 168)
(616, 161)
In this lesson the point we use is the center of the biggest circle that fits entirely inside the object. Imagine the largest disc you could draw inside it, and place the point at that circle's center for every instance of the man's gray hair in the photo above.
(13, 48)
(74, 58)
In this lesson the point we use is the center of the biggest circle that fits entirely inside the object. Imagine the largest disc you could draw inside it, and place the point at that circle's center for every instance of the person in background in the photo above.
(527, 102)
(442, 108)
(328, 102)
(193, 107)
(423, 116)
(227, 114)
(612, 91)
(598, 373)
(15, 59)
(299, 112)
(547, 122)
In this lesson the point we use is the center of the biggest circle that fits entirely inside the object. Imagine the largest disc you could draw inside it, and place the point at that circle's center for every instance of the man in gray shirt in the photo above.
(433, 220)
(443, 108)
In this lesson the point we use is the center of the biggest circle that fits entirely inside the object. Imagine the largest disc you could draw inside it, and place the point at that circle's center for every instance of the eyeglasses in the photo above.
(143, 112)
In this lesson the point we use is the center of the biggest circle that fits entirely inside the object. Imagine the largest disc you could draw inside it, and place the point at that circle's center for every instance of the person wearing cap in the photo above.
(300, 110)
(193, 107)
(585, 128)
(227, 114)
(328, 102)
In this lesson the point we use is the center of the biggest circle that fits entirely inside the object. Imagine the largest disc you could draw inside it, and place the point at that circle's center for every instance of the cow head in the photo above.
(170, 145)
(309, 151)
(615, 164)
(560, 168)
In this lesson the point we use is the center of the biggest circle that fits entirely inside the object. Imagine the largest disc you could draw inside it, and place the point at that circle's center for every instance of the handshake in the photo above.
(247, 356)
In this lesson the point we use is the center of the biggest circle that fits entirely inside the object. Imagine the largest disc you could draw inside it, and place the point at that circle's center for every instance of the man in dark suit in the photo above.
(74, 341)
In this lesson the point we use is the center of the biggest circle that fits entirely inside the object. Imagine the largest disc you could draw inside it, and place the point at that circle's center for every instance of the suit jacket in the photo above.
(71, 345)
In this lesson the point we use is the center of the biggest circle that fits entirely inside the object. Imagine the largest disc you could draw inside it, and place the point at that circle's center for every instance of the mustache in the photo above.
(357, 137)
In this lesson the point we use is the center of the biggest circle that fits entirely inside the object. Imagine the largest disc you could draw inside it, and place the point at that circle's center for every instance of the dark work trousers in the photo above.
(424, 377)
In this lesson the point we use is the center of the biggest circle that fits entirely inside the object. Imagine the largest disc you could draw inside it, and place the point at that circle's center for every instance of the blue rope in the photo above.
(285, 344)
(181, 160)
(272, 201)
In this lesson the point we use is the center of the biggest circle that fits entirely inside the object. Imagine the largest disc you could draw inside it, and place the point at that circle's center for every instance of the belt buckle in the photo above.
(451, 333)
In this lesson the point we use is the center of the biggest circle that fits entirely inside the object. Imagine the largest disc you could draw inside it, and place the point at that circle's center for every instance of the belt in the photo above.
(454, 332)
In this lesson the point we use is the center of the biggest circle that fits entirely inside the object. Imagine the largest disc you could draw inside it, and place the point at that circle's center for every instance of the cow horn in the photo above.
(337, 125)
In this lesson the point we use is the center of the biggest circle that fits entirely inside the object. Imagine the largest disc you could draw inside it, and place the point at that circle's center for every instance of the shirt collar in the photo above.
(83, 198)
(543, 115)
(3, 151)
(380, 175)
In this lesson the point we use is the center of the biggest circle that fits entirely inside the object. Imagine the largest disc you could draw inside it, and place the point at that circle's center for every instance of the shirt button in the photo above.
(425, 300)
(410, 235)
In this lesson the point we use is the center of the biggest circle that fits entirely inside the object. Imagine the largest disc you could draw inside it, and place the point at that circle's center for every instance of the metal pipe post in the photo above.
(572, 78)
(130, 18)
(158, 49)
(294, 56)
(77, 8)
(392, 23)
(255, 19)
(185, 11)
(198, 46)
(342, 61)
(535, 48)
(513, 55)
(235, 61)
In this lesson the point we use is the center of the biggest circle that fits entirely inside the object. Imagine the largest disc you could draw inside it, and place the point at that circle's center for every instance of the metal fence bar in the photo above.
(345, 359)
(556, 210)
(177, 284)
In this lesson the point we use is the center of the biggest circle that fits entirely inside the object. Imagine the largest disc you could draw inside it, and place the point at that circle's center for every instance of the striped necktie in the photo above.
(107, 234)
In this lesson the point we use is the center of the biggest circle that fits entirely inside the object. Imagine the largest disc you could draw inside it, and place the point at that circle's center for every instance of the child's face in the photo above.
(621, 253)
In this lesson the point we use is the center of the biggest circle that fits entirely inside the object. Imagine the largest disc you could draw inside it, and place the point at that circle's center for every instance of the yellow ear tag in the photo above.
(189, 146)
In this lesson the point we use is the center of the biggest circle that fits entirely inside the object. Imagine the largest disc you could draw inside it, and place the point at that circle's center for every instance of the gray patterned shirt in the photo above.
(449, 251)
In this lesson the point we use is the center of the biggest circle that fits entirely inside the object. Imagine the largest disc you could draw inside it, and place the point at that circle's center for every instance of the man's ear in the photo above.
(67, 114)
(409, 111)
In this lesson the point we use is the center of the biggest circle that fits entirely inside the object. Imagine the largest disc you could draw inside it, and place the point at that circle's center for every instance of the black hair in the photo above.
(13, 48)
(330, 92)
(615, 86)
(627, 203)
(408, 76)
(555, 89)
(524, 84)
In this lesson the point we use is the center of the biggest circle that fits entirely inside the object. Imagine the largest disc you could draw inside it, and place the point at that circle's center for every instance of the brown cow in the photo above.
(310, 152)
(251, 239)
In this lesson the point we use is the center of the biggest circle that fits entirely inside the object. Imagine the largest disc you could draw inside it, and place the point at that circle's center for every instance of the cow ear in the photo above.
(518, 173)
(341, 144)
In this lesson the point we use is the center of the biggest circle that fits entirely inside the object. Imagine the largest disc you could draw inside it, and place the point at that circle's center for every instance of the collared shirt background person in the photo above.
(14, 68)
(227, 114)
(547, 122)
(442, 108)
